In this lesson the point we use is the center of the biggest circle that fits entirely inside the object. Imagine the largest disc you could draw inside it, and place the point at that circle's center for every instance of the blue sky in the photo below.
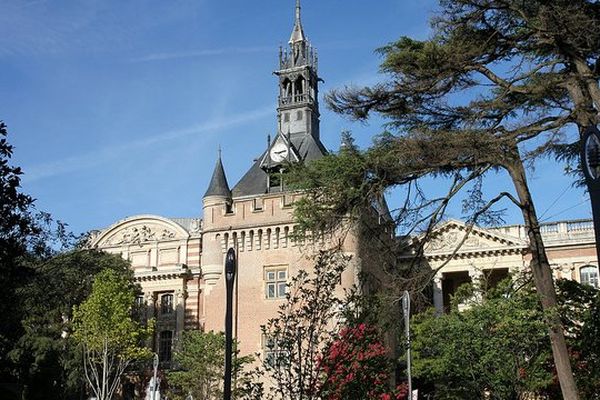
(117, 108)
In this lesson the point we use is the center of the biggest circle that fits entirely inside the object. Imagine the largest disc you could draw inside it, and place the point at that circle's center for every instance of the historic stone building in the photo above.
(179, 262)
(496, 252)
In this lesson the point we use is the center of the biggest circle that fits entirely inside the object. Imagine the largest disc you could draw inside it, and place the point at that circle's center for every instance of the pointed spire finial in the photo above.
(298, 32)
(298, 8)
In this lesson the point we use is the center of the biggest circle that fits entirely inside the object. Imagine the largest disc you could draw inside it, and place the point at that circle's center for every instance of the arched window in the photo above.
(268, 239)
(251, 241)
(260, 237)
(286, 88)
(166, 303)
(299, 85)
(165, 343)
(286, 234)
(588, 275)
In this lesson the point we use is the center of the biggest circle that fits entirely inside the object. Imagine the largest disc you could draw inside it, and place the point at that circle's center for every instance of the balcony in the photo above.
(298, 98)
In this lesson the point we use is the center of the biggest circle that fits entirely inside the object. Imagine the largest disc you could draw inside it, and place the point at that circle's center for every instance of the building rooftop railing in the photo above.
(555, 232)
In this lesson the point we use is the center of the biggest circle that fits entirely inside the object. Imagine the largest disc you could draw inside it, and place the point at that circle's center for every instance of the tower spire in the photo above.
(298, 32)
(298, 10)
(218, 184)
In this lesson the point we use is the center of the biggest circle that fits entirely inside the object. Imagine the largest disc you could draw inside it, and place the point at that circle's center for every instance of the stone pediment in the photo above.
(448, 237)
(138, 230)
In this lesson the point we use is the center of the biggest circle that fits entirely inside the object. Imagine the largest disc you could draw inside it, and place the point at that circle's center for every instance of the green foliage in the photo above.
(200, 369)
(343, 176)
(580, 311)
(48, 360)
(27, 238)
(105, 318)
(105, 327)
(499, 345)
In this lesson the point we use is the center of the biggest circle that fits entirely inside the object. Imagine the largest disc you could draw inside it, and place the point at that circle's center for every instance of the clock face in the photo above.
(279, 152)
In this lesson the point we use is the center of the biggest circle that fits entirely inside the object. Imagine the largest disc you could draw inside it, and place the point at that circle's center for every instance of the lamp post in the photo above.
(590, 161)
(230, 271)
(155, 366)
(406, 311)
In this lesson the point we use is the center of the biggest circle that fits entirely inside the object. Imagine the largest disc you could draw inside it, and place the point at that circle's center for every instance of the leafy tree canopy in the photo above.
(199, 368)
(112, 339)
(46, 358)
(27, 237)
(500, 343)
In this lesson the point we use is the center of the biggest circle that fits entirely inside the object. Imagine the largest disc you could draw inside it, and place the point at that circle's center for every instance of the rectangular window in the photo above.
(273, 354)
(275, 282)
(286, 117)
(258, 205)
(299, 115)
(589, 275)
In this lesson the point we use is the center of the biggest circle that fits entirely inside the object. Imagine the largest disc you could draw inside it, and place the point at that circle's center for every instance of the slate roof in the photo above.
(218, 184)
(255, 180)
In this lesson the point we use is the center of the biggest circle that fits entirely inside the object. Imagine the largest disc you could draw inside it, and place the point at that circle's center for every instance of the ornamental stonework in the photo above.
(139, 234)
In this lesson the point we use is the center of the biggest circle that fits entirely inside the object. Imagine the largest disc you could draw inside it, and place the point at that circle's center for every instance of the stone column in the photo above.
(180, 295)
(476, 275)
(149, 300)
(438, 295)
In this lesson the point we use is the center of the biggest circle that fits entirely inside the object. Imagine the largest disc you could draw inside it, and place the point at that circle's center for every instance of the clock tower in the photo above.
(297, 137)
(298, 107)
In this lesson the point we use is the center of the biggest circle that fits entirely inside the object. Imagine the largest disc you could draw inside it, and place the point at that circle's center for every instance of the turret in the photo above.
(216, 204)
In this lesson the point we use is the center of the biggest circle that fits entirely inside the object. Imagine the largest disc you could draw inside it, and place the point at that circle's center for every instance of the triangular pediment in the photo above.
(454, 236)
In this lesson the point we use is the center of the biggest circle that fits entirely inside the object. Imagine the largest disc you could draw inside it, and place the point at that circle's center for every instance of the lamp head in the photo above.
(230, 265)
(590, 156)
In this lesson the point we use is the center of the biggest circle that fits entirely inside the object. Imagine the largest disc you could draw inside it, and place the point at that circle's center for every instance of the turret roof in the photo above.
(218, 184)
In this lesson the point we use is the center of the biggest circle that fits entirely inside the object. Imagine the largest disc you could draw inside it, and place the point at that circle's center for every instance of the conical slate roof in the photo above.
(218, 184)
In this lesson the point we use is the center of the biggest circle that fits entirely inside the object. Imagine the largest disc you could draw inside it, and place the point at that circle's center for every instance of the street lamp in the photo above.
(155, 366)
(590, 161)
(406, 311)
(230, 270)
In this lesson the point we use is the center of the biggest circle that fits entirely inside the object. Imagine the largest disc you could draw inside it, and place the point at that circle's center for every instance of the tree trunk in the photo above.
(542, 275)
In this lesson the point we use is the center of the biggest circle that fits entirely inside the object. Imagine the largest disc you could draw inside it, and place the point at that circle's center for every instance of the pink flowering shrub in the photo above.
(356, 366)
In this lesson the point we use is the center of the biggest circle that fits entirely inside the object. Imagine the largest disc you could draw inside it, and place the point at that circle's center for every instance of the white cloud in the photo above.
(103, 155)
(203, 53)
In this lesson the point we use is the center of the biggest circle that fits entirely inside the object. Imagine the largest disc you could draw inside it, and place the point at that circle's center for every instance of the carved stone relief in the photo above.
(196, 226)
(450, 240)
(140, 234)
